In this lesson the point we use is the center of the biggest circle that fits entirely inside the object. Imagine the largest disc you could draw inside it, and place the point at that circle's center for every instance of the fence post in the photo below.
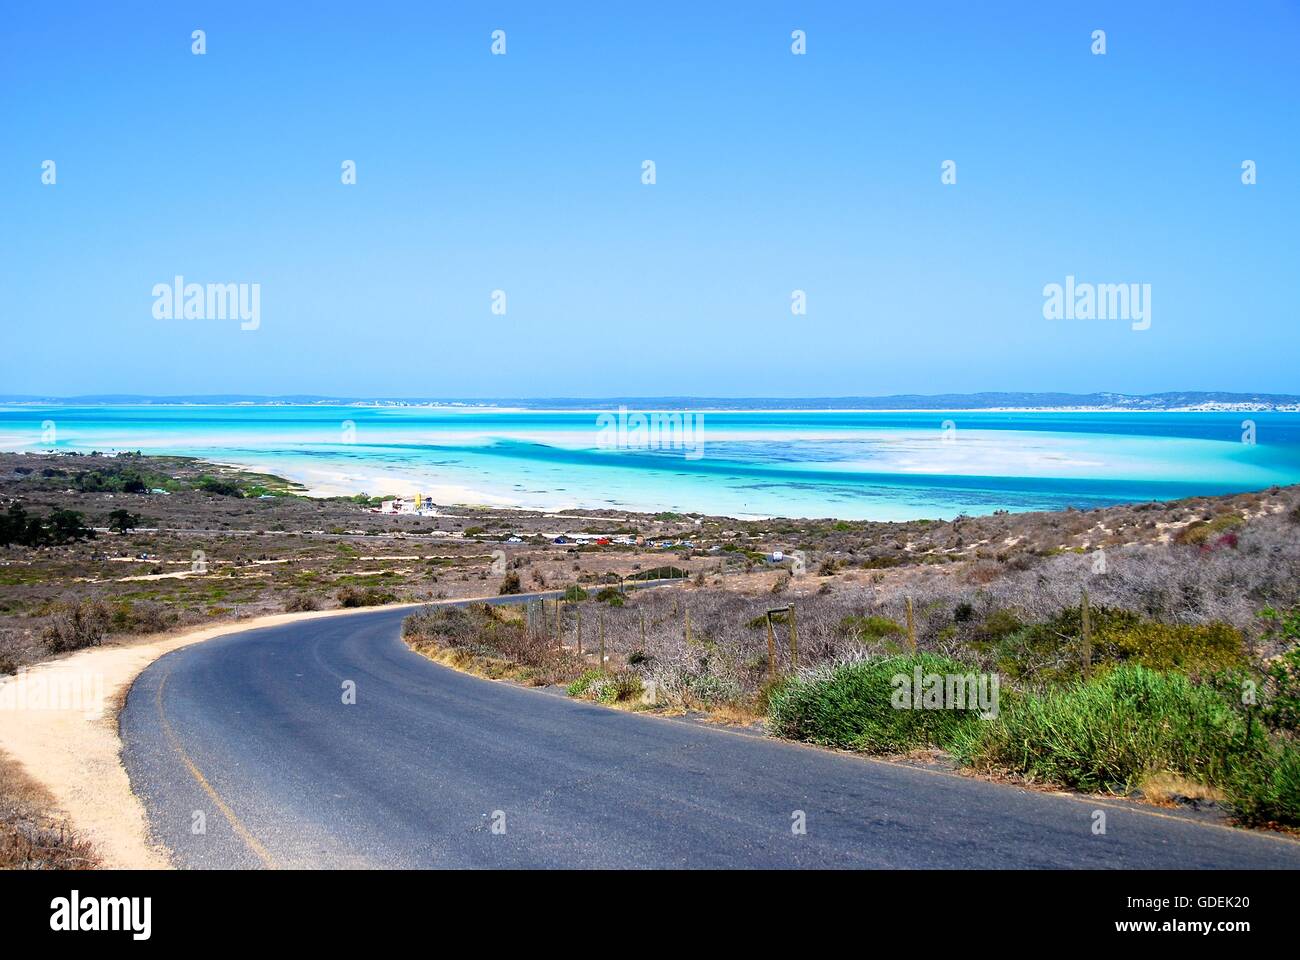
(771, 650)
(578, 629)
(642, 612)
(911, 627)
(688, 626)
(1086, 623)
(602, 641)
(794, 641)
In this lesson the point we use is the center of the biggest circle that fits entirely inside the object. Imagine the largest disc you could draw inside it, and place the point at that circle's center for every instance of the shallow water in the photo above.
(850, 465)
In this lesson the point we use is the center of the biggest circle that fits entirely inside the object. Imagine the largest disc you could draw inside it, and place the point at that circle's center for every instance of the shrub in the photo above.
(710, 688)
(870, 628)
(1265, 788)
(578, 687)
(75, 626)
(1188, 648)
(575, 594)
(1112, 732)
(1282, 712)
(1202, 531)
(453, 624)
(369, 597)
(1051, 650)
(220, 488)
(614, 687)
(510, 584)
(300, 603)
(144, 616)
(851, 705)
(610, 595)
(481, 631)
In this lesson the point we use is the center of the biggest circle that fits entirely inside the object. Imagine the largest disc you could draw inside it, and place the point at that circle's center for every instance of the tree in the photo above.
(123, 521)
(65, 526)
(61, 526)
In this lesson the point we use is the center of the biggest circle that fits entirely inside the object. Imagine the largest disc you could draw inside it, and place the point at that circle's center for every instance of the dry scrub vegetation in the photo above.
(98, 549)
(1178, 629)
(29, 838)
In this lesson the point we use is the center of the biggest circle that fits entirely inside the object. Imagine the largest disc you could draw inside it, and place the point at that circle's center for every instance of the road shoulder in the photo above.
(59, 722)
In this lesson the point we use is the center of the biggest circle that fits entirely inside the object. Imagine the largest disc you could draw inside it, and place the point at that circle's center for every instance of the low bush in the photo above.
(870, 628)
(610, 595)
(710, 689)
(142, 616)
(1195, 650)
(219, 487)
(1265, 787)
(1112, 732)
(483, 631)
(368, 597)
(75, 626)
(851, 705)
(614, 687)
(579, 687)
(1202, 531)
(1051, 651)
(451, 624)
(300, 603)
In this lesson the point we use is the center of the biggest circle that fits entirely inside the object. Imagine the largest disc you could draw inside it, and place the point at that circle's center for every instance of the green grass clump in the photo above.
(1265, 787)
(870, 628)
(851, 705)
(615, 687)
(1112, 732)
(579, 686)
(1201, 531)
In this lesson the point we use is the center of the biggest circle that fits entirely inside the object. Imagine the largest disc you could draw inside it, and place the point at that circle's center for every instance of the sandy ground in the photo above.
(59, 721)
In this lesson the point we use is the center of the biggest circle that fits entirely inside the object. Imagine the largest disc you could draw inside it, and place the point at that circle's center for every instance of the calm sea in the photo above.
(850, 465)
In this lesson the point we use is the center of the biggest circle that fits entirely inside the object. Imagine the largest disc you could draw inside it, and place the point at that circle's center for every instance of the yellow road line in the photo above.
(243, 832)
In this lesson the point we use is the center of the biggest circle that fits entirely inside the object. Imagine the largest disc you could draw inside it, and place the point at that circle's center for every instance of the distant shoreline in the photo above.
(980, 401)
(1210, 407)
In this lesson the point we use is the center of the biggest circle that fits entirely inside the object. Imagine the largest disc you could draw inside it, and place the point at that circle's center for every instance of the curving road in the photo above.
(248, 737)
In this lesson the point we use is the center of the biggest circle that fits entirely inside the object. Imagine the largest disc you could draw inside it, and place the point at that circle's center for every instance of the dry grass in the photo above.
(1170, 790)
(488, 668)
(29, 838)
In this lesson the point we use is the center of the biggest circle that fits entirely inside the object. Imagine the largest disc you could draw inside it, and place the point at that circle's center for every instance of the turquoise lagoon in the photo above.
(844, 464)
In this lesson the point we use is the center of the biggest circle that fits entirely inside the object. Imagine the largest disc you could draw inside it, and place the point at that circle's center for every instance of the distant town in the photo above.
(1176, 401)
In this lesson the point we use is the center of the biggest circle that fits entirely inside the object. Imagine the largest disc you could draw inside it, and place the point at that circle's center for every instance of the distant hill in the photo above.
(1178, 400)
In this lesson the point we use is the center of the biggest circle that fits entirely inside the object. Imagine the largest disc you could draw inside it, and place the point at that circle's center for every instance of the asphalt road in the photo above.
(249, 735)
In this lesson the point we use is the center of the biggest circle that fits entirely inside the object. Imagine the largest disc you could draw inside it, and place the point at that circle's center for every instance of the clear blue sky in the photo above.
(523, 173)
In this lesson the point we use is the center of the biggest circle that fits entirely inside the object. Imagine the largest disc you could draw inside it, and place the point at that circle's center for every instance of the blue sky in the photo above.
(522, 173)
